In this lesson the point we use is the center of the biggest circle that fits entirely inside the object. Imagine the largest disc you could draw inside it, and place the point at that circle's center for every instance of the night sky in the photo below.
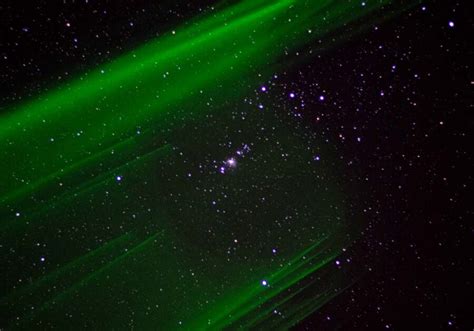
(267, 165)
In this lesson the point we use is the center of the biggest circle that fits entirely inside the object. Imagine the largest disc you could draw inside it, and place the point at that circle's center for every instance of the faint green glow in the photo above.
(151, 248)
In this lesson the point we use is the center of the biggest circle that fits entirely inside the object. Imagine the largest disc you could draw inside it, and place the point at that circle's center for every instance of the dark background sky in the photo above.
(397, 108)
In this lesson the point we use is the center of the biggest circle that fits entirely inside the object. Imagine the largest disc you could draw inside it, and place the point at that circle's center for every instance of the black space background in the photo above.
(414, 161)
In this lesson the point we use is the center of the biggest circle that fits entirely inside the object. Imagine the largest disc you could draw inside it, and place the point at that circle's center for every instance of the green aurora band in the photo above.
(151, 251)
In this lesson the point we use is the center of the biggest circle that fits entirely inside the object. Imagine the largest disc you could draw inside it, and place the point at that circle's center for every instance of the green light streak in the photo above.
(63, 150)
